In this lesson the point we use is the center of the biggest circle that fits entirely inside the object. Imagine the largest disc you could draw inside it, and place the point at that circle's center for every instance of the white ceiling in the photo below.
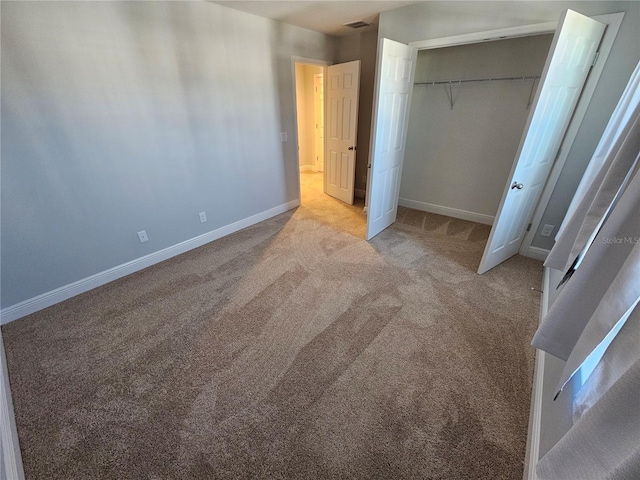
(326, 16)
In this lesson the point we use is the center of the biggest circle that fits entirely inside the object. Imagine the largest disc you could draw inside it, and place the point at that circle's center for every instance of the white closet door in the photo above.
(570, 59)
(394, 82)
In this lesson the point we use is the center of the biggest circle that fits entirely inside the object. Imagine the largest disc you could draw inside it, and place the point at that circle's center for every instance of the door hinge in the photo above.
(528, 227)
(595, 59)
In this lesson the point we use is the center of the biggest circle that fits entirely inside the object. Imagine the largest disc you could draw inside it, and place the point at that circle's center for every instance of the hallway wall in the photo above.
(306, 114)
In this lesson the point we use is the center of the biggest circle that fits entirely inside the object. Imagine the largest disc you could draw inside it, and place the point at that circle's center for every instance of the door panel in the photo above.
(342, 126)
(343, 178)
(318, 85)
(568, 64)
(332, 170)
(394, 85)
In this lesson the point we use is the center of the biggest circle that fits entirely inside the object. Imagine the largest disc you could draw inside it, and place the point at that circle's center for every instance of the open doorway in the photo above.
(335, 176)
(309, 80)
(310, 113)
(320, 179)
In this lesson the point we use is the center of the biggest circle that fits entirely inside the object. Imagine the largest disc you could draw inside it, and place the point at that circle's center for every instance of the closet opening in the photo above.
(469, 108)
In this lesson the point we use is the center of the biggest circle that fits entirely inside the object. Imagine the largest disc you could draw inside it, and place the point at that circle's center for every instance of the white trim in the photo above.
(536, 252)
(487, 36)
(310, 61)
(63, 293)
(359, 193)
(613, 21)
(448, 211)
(535, 419)
(11, 458)
(535, 414)
(307, 168)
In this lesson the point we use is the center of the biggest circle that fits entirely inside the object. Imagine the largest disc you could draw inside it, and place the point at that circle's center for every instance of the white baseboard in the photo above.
(535, 413)
(63, 293)
(448, 211)
(535, 420)
(537, 253)
(11, 459)
(359, 193)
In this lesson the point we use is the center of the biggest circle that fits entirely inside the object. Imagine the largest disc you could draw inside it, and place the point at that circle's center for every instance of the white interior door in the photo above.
(394, 85)
(570, 58)
(342, 86)
(318, 112)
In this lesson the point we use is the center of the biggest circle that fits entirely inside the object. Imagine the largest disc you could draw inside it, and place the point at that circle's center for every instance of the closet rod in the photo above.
(469, 80)
(490, 79)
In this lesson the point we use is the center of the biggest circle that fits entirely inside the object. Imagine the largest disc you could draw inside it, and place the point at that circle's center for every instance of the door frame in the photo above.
(315, 62)
(613, 21)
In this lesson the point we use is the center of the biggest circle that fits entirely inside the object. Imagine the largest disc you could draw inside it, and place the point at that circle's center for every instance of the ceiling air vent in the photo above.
(358, 24)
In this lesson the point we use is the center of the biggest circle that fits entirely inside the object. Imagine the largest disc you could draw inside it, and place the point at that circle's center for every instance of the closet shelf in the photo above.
(470, 80)
(451, 83)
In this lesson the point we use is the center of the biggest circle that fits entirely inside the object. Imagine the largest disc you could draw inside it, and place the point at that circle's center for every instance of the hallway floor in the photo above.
(351, 219)
(329, 210)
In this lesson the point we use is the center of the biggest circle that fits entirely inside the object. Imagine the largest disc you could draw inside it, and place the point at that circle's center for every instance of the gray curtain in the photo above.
(594, 322)
(600, 182)
(603, 288)
(603, 444)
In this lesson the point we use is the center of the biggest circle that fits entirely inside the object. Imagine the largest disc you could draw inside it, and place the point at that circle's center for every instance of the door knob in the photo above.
(352, 148)
(517, 185)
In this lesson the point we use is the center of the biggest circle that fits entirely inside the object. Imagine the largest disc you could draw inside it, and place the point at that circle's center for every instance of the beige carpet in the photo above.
(291, 349)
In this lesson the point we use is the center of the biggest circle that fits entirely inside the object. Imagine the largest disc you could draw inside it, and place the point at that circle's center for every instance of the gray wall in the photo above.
(460, 158)
(363, 46)
(123, 116)
(439, 19)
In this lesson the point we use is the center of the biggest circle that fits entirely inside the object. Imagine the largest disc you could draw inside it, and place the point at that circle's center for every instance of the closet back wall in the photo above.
(458, 159)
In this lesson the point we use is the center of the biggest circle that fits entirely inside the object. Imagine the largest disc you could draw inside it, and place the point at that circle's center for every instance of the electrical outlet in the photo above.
(142, 235)
(283, 136)
(203, 217)
(546, 230)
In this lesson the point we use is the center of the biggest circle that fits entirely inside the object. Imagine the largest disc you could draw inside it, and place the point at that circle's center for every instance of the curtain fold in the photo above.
(603, 444)
(601, 290)
(619, 119)
(612, 312)
(594, 323)
(600, 181)
(619, 357)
